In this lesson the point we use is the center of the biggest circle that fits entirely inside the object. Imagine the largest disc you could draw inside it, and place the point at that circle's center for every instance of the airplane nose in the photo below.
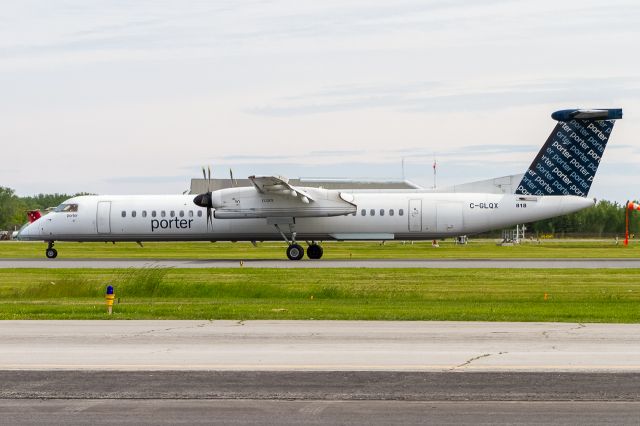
(25, 232)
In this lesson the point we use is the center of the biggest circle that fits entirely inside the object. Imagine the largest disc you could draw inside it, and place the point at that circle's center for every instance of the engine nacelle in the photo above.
(246, 203)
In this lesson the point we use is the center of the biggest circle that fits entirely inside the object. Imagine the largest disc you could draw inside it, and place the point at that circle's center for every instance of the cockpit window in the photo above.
(67, 208)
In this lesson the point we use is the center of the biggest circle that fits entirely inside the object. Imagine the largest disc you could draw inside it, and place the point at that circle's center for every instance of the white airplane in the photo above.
(556, 183)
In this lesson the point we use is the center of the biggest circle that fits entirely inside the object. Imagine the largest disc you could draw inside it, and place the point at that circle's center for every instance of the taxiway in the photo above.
(62, 263)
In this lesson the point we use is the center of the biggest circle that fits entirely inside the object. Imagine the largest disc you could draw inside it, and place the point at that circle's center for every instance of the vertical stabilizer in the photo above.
(568, 161)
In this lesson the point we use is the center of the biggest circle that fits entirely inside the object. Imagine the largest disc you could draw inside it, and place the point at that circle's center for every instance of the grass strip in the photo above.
(594, 295)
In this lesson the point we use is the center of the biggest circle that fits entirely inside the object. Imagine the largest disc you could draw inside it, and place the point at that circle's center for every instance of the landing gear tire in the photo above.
(51, 253)
(295, 252)
(314, 251)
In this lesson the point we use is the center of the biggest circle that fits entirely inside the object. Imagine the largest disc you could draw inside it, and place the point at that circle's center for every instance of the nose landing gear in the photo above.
(51, 253)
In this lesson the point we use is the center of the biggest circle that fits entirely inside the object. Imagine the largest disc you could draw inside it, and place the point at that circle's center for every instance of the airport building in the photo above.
(500, 185)
(199, 186)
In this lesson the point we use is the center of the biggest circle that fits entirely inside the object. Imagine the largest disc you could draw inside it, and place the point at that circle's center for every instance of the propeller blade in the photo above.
(231, 176)
(209, 179)
(204, 200)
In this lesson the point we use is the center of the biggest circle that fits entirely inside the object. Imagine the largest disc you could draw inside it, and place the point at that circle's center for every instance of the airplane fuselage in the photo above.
(389, 215)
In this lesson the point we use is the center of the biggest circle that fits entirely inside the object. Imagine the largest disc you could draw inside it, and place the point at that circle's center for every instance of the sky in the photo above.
(122, 97)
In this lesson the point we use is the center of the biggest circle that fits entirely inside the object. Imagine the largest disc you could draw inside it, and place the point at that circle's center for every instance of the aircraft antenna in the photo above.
(434, 171)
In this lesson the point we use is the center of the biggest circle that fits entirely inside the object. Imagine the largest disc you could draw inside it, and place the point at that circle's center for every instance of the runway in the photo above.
(318, 372)
(372, 263)
(319, 346)
(261, 412)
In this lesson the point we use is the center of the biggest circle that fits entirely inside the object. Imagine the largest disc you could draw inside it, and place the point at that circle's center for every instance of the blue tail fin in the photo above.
(568, 161)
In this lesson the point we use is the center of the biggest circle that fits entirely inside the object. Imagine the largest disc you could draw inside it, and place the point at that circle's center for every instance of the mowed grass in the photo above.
(602, 295)
(479, 249)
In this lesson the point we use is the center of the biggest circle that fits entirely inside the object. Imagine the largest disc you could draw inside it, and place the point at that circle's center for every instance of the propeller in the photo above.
(233, 181)
(204, 200)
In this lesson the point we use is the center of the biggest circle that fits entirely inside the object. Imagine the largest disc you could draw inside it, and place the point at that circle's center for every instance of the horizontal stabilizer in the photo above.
(587, 114)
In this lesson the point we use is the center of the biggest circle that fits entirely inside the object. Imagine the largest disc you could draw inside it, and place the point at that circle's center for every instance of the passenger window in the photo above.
(181, 213)
(124, 214)
(153, 213)
(133, 213)
(190, 213)
(381, 212)
(163, 213)
(199, 213)
(400, 212)
(390, 212)
(363, 212)
(144, 213)
(172, 213)
(372, 212)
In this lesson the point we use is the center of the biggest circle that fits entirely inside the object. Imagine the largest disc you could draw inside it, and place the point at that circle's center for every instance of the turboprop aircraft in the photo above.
(556, 183)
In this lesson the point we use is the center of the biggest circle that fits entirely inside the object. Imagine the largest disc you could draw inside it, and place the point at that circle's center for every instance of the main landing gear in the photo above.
(51, 253)
(314, 251)
(295, 250)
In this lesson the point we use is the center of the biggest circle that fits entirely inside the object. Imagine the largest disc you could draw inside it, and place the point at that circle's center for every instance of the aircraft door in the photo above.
(429, 213)
(415, 215)
(449, 217)
(103, 217)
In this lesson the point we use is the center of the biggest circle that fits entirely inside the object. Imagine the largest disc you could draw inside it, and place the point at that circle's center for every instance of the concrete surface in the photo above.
(318, 346)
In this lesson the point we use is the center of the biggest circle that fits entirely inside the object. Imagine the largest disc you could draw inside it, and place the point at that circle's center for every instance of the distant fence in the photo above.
(547, 236)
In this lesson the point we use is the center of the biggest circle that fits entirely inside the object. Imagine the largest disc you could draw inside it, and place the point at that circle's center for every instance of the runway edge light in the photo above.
(109, 297)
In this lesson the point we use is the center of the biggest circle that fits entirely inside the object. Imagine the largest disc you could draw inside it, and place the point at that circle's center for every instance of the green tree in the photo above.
(44, 201)
(606, 218)
(11, 208)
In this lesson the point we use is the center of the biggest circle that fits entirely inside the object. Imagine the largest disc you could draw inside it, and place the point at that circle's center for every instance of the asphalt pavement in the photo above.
(318, 372)
(267, 412)
(61, 263)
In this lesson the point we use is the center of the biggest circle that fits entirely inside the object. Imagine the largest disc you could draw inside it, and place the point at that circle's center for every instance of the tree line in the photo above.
(606, 218)
(13, 209)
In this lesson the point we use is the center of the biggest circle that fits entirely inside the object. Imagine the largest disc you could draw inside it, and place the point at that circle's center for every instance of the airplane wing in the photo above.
(279, 185)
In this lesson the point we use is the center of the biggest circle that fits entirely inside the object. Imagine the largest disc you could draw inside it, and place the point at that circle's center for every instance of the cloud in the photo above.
(148, 179)
(327, 88)
(446, 97)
